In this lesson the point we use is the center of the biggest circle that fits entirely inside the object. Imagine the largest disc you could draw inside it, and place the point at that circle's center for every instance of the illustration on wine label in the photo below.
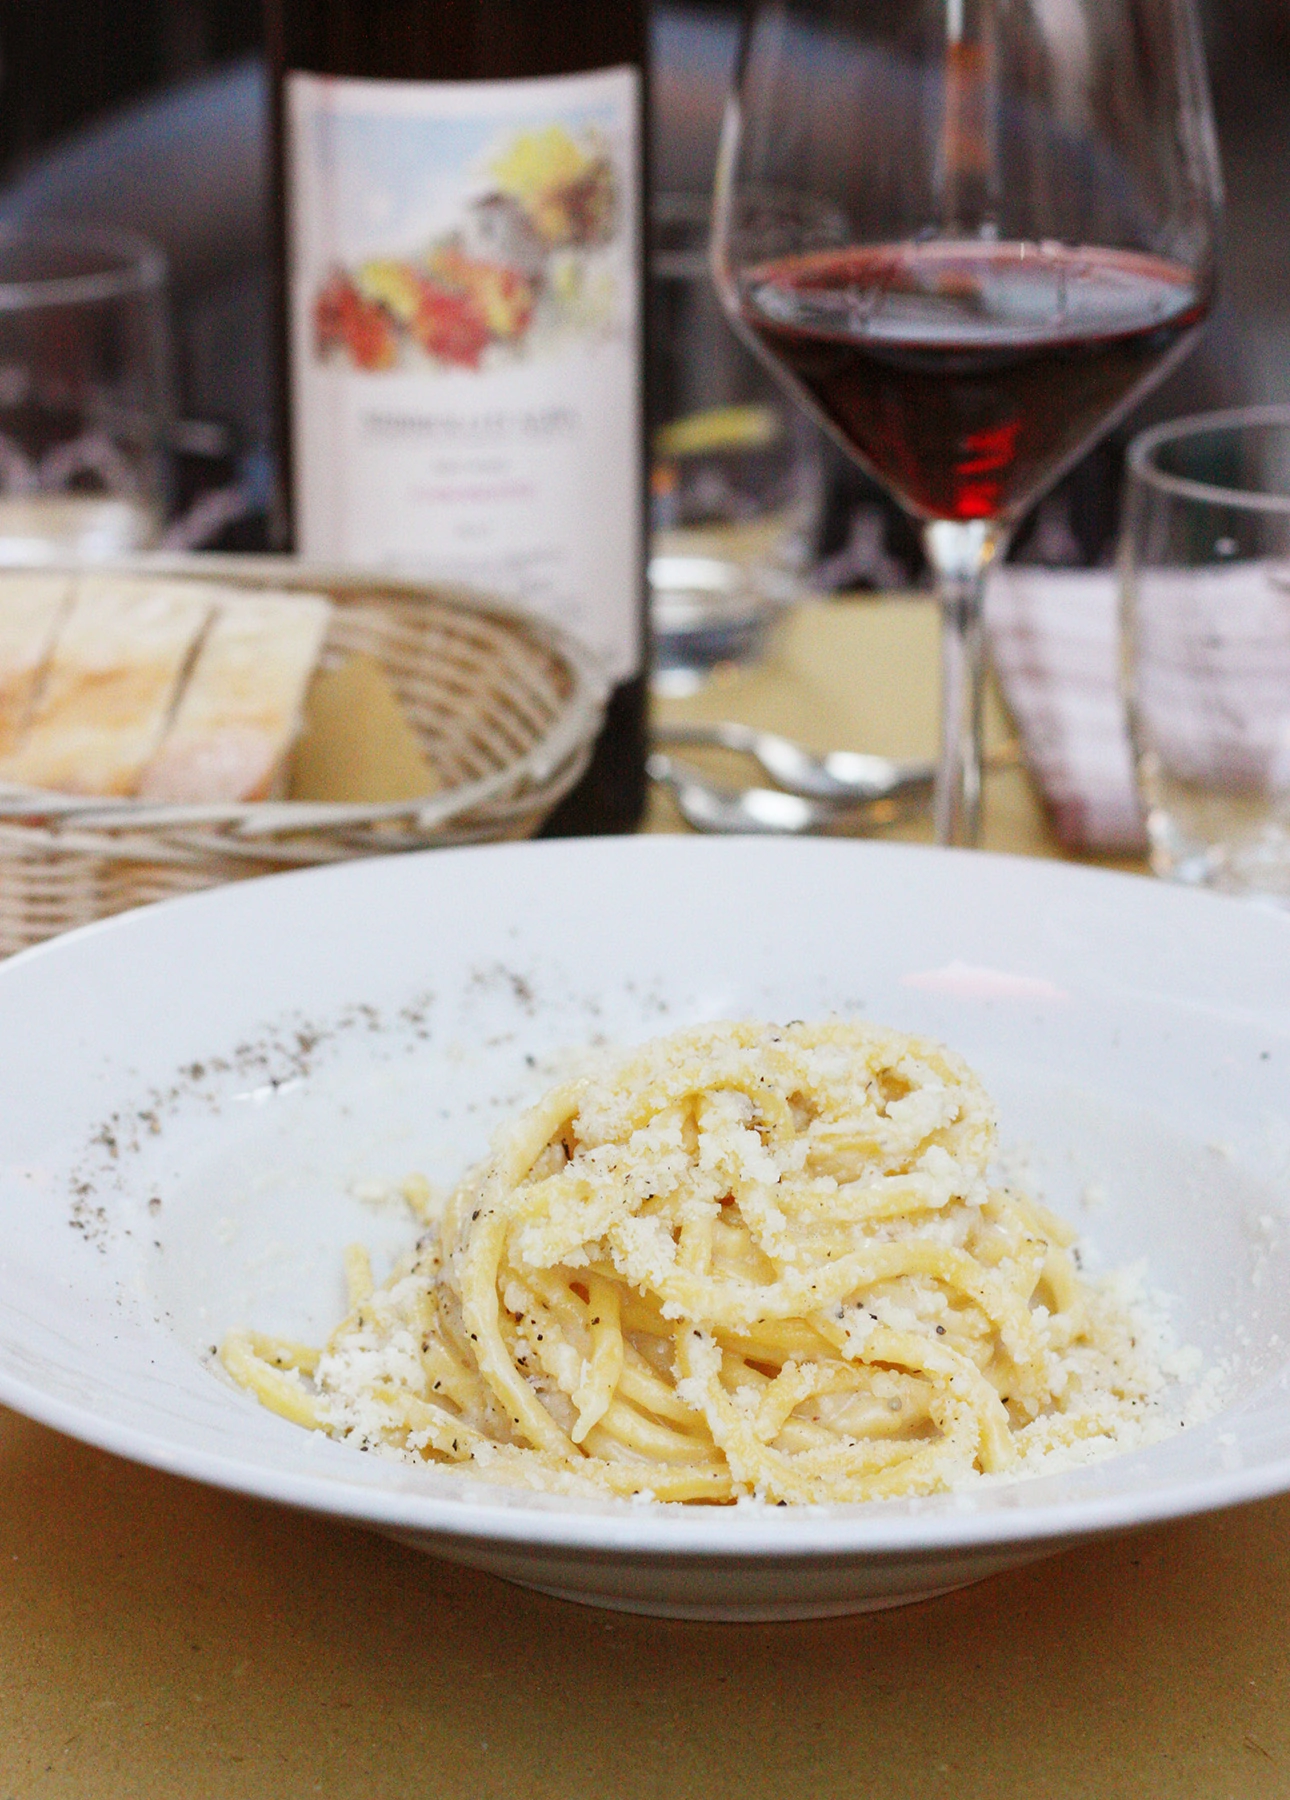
(515, 270)
(465, 326)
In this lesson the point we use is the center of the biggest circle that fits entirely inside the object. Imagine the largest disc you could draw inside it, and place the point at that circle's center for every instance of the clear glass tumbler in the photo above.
(735, 468)
(1205, 559)
(85, 394)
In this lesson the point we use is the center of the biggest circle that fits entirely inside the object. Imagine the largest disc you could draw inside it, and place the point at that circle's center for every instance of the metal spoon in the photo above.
(707, 806)
(843, 777)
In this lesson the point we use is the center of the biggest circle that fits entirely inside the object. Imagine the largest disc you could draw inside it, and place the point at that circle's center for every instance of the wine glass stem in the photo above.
(960, 554)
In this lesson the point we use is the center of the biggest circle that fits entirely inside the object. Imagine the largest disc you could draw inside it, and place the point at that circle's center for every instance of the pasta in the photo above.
(740, 1262)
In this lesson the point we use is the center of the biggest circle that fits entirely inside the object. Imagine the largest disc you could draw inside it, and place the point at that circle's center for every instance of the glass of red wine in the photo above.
(970, 234)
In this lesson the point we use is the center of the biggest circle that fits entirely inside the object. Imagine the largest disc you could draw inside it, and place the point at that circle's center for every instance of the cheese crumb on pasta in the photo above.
(744, 1261)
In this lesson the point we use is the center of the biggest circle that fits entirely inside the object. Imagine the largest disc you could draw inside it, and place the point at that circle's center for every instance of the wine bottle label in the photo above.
(464, 318)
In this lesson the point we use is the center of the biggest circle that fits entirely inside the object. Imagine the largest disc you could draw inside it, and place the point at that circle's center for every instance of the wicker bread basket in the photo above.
(506, 706)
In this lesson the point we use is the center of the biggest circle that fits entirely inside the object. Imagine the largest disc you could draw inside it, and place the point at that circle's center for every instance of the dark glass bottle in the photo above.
(460, 202)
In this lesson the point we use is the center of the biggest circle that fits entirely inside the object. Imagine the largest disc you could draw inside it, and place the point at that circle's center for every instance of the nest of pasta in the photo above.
(744, 1260)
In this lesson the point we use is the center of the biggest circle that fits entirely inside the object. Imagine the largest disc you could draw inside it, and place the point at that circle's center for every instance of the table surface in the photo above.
(158, 1638)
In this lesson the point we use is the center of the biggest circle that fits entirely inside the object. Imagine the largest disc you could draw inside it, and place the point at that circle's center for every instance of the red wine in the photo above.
(967, 375)
(460, 193)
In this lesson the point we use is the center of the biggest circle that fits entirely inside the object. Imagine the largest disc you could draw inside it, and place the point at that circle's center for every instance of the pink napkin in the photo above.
(1054, 643)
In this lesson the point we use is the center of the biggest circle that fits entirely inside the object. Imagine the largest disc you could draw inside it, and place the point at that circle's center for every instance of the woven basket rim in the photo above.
(564, 741)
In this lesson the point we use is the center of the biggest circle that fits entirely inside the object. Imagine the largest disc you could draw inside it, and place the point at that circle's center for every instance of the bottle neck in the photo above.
(454, 40)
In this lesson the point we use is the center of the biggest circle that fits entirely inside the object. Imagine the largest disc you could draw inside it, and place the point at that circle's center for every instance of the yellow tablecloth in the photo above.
(864, 675)
(162, 1639)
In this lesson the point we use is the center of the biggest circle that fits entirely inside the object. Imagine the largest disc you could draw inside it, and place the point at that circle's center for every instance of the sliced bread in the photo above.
(31, 607)
(240, 710)
(116, 666)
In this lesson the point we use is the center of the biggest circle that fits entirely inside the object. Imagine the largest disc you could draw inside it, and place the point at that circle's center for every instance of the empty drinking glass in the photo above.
(735, 469)
(84, 393)
(1206, 581)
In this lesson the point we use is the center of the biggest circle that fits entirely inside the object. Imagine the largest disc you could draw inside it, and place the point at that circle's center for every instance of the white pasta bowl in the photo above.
(207, 1100)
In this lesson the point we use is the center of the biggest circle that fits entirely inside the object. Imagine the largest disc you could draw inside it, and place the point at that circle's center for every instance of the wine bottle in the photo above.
(460, 203)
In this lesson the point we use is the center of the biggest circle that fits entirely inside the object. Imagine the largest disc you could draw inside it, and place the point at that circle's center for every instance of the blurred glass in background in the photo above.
(1206, 573)
(85, 412)
(735, 468)
(149, 116)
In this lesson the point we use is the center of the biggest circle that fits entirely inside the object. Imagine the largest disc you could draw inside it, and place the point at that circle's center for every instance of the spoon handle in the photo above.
(708, 806)
(840, 777)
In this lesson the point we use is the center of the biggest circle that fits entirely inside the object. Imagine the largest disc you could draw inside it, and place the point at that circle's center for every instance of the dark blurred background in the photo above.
(150, 114)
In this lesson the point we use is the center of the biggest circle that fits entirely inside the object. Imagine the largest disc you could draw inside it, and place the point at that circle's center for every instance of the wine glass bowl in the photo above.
(969, 234)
